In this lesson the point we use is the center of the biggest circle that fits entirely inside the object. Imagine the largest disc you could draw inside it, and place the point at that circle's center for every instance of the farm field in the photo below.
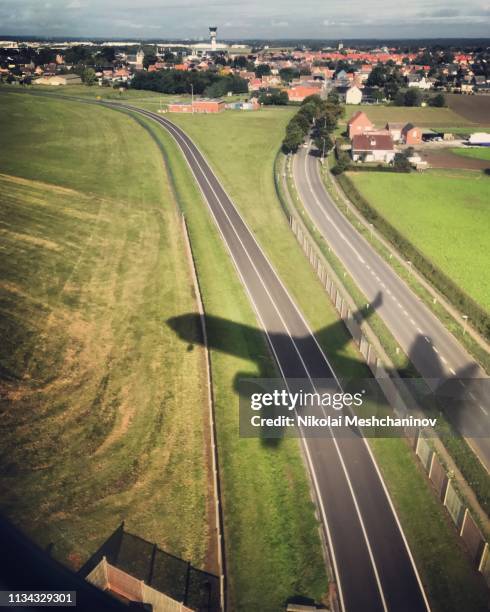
(444, 214)
(422, 116)
(242, 155)
(474, 153)
(102, 407)
(475, 108)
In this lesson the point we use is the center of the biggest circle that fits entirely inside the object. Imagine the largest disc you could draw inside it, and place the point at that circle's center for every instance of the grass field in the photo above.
(475, 153)
(241, 148)
(150, 99)
(444, 214)
(421, 116)
(102, 414)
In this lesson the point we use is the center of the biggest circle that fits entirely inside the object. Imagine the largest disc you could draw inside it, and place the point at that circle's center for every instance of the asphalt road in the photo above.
(432, 349)
(373, 566)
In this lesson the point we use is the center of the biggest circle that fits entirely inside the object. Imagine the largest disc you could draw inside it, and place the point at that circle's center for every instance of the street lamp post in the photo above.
(465, 324)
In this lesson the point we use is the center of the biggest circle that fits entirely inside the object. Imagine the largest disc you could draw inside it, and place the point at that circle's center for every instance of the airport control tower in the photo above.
(212, 36)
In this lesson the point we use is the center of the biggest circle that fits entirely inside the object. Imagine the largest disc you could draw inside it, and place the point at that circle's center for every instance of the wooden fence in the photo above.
(109, 578)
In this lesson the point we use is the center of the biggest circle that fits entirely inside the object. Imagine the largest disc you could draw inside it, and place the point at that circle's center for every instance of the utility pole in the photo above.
(192, 97)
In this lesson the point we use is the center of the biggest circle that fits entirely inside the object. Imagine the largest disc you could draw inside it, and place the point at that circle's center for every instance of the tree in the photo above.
(288, 74)
(149, 59)
(293, 139)
(302, 121)
(399, 98)
(44, 56)
(343, 163)
(391, 89)
(88, 76)
(108, 54)
(240, 62)
(323, 142)
(279, 98)
(377, 77)
(413, 97)
(438, 100)
(262, 70)
(401, 162)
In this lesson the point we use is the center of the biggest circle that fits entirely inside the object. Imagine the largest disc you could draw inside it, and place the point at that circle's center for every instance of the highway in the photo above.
(432, 349)
(373, 566)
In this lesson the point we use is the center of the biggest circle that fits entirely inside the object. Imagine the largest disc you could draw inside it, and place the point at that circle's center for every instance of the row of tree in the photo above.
(179, 82)
(317, 116)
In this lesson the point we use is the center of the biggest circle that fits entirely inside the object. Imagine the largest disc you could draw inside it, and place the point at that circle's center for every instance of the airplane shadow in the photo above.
(442, 393)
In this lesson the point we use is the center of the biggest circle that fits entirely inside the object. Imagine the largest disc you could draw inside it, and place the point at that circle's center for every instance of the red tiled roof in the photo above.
(359, 115)
(372, 142)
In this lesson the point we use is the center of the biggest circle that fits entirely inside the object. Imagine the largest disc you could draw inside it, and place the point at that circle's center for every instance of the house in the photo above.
(359, 123)
(395, 130)
(373, 148)
(121, 75)
(353, 95)
(300, 92)
(411, 135)
(415, 80)
(251, 105)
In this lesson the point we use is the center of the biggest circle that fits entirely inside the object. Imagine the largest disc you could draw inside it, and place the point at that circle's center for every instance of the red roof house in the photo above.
(373, 147)
(359, 123)
(299, 93)
(411, 135)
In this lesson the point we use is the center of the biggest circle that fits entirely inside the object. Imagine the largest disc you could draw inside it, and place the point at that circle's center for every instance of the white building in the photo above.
(373, 147)
(419, 81)
(353, 95)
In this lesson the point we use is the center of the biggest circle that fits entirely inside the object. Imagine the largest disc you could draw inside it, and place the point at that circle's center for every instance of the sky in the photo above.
(167, 19)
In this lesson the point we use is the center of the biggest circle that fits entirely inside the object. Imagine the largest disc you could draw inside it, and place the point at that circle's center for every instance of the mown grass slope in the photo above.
(102, 413)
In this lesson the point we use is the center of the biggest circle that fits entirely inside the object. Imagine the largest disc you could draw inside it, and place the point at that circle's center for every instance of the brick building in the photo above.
(198, 106)
(359, 123)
